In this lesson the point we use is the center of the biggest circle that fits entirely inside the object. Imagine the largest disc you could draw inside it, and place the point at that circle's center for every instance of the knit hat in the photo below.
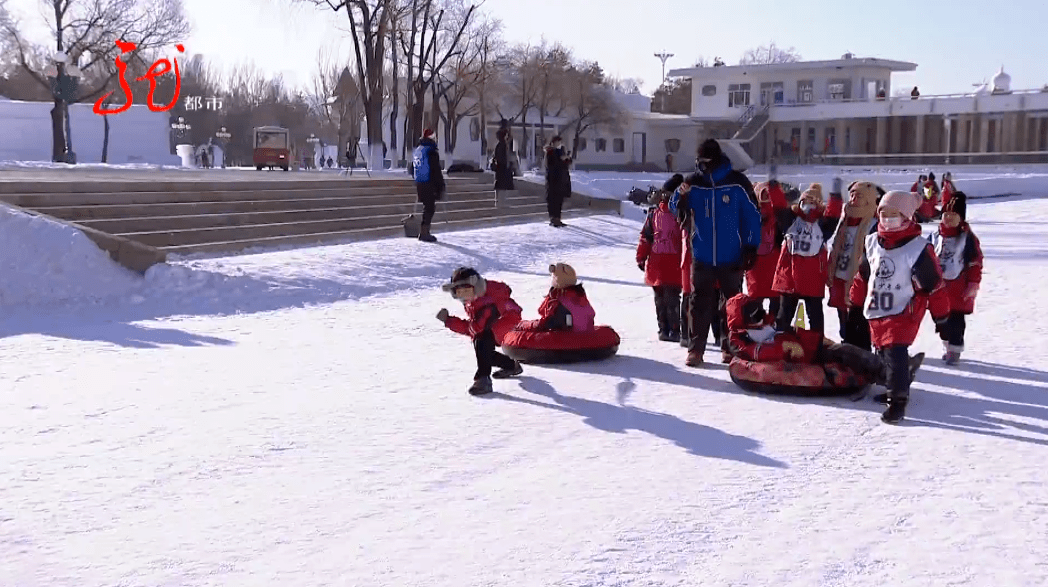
(905, 202)
(673, 183)
(464, 276)
(814, 191)
(563, 275)
(957, 203)
(862, 199)
(428, 133)
(710, 149)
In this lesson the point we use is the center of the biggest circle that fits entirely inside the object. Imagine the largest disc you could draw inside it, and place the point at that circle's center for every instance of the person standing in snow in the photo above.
(897, 282)
(771, 200)
(847, 253)
(491, 314)
(500, 164)
(718, 207)
(429, 182)
(961, 258)
(658, 256)
(558, 180)
(803, 266)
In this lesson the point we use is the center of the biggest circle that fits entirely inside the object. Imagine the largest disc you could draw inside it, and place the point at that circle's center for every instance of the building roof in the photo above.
(728, 70)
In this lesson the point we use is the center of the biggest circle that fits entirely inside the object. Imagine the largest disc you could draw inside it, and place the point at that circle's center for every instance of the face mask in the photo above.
(894, 223)
(807, 207)
(951, 219)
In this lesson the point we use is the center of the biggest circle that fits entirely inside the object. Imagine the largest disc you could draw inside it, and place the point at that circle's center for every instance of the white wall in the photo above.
(136, 135)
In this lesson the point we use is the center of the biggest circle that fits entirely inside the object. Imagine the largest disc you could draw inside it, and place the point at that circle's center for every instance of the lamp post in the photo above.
(664, 56)
(65, 81)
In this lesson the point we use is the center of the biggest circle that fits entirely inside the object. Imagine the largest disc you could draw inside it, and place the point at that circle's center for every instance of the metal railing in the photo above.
(905, 98)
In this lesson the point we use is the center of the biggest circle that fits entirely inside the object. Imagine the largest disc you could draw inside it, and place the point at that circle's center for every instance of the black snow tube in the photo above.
(796, 379)
(561, 346)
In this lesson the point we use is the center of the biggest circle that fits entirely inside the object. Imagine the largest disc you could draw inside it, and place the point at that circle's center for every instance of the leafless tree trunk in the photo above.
(770, 53)
(87, 31)
(590, 101)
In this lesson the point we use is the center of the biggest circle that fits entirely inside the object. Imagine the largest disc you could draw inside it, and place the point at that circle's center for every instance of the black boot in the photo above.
(425, 236)
(481, 386)
(915, 364)
(660, 314)
(685, 329)
(672, 303)
(513, 371)
(896, 410)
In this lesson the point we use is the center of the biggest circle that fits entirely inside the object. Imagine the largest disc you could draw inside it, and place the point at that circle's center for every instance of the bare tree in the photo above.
(465, 79)
(673, 97)
(550, 71)
(433, 38)
(521, 85)
(488, 50)
(335, 100)
(369, 25)
(86, 31)
(770, 53)
(590, 101)
(701, 62)
(626, 85)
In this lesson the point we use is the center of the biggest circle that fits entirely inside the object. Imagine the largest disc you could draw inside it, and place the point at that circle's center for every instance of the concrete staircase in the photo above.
(208, 216)
(753, 122)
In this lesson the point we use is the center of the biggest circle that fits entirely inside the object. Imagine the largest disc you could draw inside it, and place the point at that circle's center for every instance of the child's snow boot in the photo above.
(896, 410)
(481, 386)
(507, 373)
(952, 356)
(694, 359)
(915, 363)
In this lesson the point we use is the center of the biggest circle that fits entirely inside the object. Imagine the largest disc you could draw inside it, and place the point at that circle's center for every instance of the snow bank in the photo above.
(44, 261)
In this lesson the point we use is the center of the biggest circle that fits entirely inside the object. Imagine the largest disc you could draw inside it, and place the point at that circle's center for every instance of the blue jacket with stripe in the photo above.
(721, 213)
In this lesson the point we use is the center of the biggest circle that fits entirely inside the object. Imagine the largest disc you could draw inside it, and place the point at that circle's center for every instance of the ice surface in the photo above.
(299, 418)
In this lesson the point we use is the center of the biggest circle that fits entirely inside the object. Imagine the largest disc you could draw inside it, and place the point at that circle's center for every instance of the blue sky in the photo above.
(954, 42)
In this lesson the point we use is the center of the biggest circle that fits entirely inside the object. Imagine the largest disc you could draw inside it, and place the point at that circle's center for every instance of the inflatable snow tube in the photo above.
(561, 346)
(797, 379)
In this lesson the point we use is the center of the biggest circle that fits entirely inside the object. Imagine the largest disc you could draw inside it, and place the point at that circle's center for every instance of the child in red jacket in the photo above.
(961, 259)
(492, 313)
(846, 253)
(759, 278)
(929, 193)
(658, 256)
(803, 264)
(565, 306)
(898, 280)
(948, 189)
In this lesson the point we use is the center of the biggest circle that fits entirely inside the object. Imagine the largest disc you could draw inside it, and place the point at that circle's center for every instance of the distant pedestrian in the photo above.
(558, 180)
(429, 182)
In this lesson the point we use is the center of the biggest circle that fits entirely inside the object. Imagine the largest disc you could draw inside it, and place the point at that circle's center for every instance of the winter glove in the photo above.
(749, 258)
(442, 315)
(972, 291)
(792, 349)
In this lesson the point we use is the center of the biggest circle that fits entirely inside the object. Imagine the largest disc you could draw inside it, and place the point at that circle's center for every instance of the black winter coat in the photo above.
(501, 167)
(434, 188)
(558, 174)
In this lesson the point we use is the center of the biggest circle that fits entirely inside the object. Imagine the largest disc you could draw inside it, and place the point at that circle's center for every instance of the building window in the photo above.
(672, 145)
(806, 91)
(618, 145)
(772, 93)
(710, 90)
(836, 91)
(582, 144)
(600, 145)
(811, 139)
(847, 141)
(738, 95)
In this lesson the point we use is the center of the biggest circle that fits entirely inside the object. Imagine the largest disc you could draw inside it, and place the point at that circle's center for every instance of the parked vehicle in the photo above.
(272, 147)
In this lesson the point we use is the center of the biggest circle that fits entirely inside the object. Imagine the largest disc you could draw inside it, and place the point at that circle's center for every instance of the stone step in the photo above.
(170, 238)
(193, 221)
(198, 183)
(114, 211)
(338, 237)
(231, 193)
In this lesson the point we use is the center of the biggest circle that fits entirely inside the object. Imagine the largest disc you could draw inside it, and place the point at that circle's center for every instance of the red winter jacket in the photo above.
(929, 293)
(928, 202)
(495, 310)
(971, 275)
(947, 191)
(760, 277)
(744, 347)
(558, 306)
(660, 248)
(806, 276)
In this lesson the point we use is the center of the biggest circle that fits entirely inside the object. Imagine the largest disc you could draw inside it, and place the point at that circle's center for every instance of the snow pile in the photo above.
(44, 261)
(8, 164)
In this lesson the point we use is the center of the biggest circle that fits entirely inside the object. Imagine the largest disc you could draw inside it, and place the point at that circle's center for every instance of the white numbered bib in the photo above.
(844, 258)
(891, 277)
(804, 238)
(950, 250)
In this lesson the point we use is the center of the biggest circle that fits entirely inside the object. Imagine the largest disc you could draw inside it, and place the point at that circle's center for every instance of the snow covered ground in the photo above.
(299, 418)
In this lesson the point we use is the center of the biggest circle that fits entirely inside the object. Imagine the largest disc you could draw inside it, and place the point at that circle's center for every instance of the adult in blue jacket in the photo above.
(718, 208)
(429, 181)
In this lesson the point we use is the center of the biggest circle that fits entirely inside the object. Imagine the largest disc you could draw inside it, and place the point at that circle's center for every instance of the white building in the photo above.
(843, 111)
